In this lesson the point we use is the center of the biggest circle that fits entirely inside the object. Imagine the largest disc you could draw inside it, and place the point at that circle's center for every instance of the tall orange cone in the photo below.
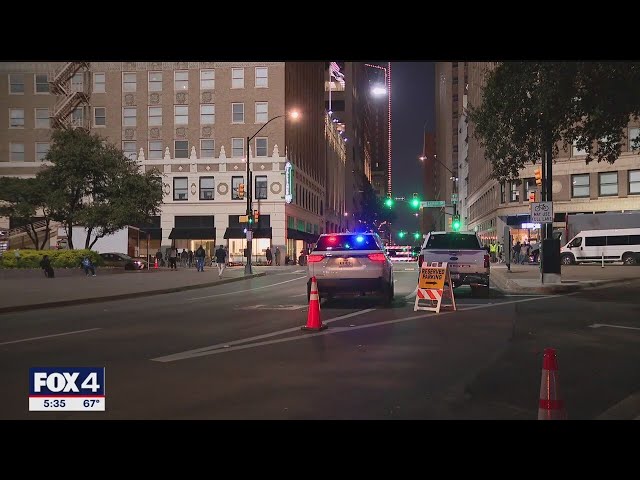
(551, 405)
(155, 264)
(313, 317)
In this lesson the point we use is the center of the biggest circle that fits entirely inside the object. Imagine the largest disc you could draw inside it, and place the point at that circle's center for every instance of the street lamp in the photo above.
(247, 267)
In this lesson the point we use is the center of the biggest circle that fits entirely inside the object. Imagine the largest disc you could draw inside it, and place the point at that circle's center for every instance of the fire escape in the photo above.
(72, 85)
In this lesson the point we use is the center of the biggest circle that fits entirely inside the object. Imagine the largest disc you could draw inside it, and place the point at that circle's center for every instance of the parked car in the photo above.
(611, 245)
(123, 260)
(352, 264)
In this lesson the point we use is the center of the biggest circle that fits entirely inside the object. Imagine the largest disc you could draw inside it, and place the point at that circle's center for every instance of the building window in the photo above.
(42, 118)
(531, 186)
(261, 187)
(576, 151)
(207, 114)
(99, 83)
(180, 114)
(634, 182)
(207, 79)
(16, 117)
(155, 81)
(181, 80)
(237, 78)
(514, 192)
(634, 133)
(128, 82)
(262, 77)
(181, 149)
(206, 188)
(129, 150)
(42, 83)
(180, 188)
(237, 147)
(77, 83)
(207, 149)
(77, 117)
(580, 186)
(237, 110)
(608, 183)
(16, 83)
(155, 150)
(155, 116)
(261, 147)
(129, 116)
(262, 112)
(41, 151)
(16, 152)
(235, 183)
(99, 116)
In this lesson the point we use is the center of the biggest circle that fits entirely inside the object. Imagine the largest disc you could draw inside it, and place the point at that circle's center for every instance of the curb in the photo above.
(509, 286)
(123, 296)
(627, 409)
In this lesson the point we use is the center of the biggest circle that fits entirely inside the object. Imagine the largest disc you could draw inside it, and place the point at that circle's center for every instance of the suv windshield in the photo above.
(454, 241)
(347, 242)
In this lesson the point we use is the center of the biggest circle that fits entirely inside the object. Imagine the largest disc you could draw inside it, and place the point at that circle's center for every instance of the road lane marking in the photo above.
(598, 325)
(233, 346)
(219, 346)
(246, 290)
(299, 295)
(273, 307)
(50, 336)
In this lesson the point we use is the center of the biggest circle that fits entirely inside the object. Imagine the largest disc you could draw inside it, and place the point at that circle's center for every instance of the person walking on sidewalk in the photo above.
(200, 254)
(269, 256)
(221, 260)
(173, 258)
(276, 254)
(184, 256)
(88, 266)
(45, 264)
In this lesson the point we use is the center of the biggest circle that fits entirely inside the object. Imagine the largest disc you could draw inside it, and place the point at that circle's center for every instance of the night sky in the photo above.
(412, 112)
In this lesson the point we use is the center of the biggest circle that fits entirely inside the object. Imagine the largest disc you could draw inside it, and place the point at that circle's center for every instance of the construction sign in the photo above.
(434, 284)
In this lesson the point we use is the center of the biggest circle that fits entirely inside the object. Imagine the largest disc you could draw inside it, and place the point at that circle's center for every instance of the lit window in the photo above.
(237, 78)
(237, 147)
(181, 80)
(42, 83)
(155, 116)
(155, 81)
(181, 115)
(207, 79)
(262, 77)
(129, 116)
(99, 83)
(262, 112)
(128, 82)
(207, 114)
(16, 117)
(237, 110)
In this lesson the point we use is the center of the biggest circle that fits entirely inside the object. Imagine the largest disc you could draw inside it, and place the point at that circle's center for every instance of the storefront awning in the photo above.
(193, 233)
(294, 234)
(238, 232)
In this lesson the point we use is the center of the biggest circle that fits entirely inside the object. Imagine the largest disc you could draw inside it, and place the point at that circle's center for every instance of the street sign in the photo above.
(541, 212)
(454, 198)
(432, 204)
(243, 218)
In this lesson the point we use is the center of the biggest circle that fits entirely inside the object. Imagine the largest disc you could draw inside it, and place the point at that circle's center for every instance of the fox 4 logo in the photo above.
(66, 381)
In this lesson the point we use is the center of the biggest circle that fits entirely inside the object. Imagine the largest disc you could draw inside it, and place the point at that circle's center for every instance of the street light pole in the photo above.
(249, 192)
(454, 178)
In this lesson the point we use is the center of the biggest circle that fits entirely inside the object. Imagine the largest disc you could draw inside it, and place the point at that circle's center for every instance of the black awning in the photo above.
(294, 234)
(155, 233)
(192, 233)
(238, 232)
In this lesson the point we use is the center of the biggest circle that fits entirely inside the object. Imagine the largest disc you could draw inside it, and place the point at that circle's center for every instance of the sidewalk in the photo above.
(28, 291)
(526, 278)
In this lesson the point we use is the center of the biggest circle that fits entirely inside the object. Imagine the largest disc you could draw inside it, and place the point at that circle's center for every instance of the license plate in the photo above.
(344, 264)
(455, 276)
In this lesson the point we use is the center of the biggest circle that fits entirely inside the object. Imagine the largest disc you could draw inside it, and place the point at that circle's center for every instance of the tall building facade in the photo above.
(577, 187)
(189, 121)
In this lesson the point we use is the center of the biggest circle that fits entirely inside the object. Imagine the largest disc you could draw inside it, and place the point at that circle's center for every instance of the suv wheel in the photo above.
(567, 260)
(629, 259)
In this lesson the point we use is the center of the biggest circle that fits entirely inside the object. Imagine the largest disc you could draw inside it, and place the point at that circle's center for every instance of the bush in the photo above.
(59, 258)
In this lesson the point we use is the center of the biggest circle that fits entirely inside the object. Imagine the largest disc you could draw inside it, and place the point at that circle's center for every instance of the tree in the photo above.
(95, 185)
(530, 107)
(26, 201)
(373, 212)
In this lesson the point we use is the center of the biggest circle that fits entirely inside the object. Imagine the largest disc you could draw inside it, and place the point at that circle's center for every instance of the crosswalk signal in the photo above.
(538, 175)
(241, 190)
(256, 216)
(455, 223)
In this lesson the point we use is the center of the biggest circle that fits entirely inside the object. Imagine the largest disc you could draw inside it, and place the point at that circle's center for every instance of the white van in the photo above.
(614, 245)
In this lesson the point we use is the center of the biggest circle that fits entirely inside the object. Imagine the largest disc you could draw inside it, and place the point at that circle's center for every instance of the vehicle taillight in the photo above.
(314, 258)
(420, 260)
(486, 261)
(377, 257)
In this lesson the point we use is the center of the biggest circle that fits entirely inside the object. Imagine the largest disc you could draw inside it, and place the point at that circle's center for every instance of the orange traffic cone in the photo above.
(551, 405)
(155, 264)
(313, 317)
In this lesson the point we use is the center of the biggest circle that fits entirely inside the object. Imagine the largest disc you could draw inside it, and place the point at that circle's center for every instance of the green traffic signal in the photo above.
(416, 235)
(415, 202)
(401, 234)
(455, 223)
(389, 202)
(250, 219)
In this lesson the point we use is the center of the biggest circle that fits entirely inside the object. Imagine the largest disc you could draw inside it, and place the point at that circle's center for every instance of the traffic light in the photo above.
(401, 234)
(532, 196)
(256, 216)
(415, 201)
(241, 190)
(416, 235)
(250, 219)
(389, 201)
(455, 223)
(538, 174)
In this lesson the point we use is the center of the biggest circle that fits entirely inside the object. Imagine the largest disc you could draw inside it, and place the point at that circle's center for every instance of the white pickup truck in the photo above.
(468, 260)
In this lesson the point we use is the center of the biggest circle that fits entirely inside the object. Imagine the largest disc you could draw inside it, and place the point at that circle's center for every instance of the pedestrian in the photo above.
(524, 253)
(221, 260)
(276, 254)
(88, 266)
(190, 258)
(269, 255)
(516, 252)
(200, 254)
(173, 258)
(45, 264)
(183, 258)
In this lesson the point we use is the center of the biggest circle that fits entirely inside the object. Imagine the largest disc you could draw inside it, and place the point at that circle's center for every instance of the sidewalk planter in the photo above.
(59, 258)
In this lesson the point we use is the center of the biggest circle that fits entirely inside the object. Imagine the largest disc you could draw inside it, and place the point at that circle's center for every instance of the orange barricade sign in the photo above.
(434, 284)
